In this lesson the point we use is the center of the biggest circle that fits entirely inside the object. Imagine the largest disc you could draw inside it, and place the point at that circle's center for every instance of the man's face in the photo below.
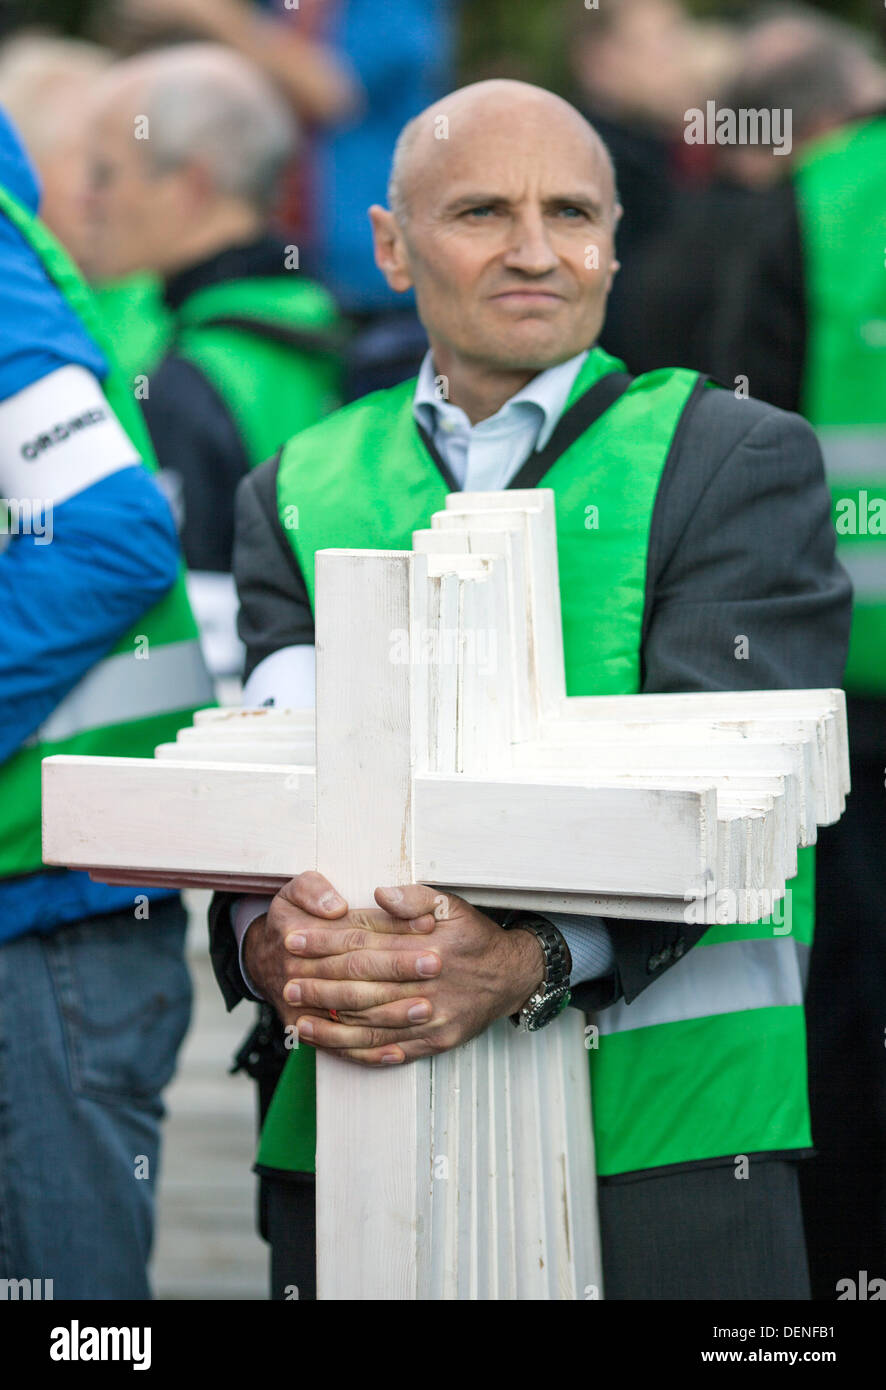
(134, 215)
(509, 244)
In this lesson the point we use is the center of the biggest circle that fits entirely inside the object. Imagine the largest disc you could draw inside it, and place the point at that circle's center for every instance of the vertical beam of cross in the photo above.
(373, 1137)
(470, 1175)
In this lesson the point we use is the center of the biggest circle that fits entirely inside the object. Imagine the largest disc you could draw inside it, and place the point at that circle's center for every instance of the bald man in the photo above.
(712, 567)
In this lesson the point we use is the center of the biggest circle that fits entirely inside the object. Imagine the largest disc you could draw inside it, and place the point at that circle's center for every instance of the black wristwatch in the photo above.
(552, 995)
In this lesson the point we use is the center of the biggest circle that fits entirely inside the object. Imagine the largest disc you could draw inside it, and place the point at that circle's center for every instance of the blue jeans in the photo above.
(91, 1020)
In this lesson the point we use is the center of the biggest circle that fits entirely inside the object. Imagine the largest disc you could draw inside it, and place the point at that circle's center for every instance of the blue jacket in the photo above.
(113, 555)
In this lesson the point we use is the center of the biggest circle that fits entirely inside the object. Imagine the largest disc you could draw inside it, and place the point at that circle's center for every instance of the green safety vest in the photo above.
(271, 347)
(841, 197)
(711, 1061)
(144, 690)
(138, 320)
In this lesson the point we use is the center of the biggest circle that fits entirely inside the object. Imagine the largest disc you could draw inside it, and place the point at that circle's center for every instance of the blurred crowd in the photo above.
(208, 165)
(266, 133)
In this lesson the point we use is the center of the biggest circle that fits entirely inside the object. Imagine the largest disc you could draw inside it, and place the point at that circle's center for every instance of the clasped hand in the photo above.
(421, 973)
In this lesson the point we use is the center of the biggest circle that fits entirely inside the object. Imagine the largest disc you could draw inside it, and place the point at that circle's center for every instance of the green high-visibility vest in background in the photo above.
(840, 185)
(271, 346)
(138, 320)
(154, 679)
(710, 1062)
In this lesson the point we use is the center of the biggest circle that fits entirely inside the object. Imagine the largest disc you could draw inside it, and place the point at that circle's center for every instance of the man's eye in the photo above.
(571, 212)
(479, 211)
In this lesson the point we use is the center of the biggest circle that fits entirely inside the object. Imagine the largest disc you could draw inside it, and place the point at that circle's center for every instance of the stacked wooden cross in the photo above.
(445, 751)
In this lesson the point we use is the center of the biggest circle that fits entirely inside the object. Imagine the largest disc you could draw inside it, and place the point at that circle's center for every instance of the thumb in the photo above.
(415, 905)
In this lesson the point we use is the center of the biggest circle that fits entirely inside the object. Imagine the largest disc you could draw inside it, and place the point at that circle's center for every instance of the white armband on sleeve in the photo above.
(285, 678)
(59, 436)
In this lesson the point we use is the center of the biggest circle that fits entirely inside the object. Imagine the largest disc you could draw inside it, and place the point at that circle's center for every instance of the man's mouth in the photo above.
(534, 297)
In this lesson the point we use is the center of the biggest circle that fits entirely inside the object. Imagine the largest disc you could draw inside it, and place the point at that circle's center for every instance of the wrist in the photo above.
(528, 969)
(549, 995)
(249, 942)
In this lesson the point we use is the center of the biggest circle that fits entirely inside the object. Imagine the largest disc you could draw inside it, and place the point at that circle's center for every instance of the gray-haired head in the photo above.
(205, 104)
(818, 67)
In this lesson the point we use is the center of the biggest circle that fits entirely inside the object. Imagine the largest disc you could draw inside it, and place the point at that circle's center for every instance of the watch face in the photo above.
(548, 1008)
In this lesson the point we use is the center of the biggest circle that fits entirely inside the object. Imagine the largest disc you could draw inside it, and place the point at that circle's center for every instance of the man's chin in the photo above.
(533, 352)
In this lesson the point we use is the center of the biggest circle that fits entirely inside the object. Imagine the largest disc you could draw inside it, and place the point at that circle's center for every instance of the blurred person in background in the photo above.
(804, 317)
(354, 73)
(187, 148)
(46, 83)
(632, 71)
(820, 71)
(100, 656)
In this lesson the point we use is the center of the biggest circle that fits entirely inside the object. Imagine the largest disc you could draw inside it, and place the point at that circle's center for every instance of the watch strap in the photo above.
(558, 959)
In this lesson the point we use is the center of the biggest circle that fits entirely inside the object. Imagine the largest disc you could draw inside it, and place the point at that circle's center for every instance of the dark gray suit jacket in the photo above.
(741, 543)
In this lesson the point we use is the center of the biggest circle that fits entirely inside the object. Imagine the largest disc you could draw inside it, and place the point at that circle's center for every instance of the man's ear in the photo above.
(390, 249)
(197, 183)
(615, 267)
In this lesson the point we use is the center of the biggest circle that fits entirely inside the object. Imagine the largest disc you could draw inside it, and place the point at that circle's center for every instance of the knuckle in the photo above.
(357, 965)
(355, 1055)
(354, 939)
(309, 880)
(289, 894)
(308, 992)
(300, 890)
(402, 967)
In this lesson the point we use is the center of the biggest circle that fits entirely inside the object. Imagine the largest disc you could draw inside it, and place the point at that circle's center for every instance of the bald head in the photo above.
(502, 220)
(483, 118)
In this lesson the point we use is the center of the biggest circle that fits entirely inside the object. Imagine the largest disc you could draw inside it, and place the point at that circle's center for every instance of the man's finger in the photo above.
(314, 894)
(314, 942)
(388, 1055)
(373, 965)
(384, 923)
(415, 902)
(326, 1033)
(357, 997)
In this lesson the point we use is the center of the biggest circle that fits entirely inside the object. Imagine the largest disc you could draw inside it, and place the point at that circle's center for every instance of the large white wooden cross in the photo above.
(445, 751)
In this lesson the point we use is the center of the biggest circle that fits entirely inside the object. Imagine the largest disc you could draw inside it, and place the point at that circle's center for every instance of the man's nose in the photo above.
(530, 247)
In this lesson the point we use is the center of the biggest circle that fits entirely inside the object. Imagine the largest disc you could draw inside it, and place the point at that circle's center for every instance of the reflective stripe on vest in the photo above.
(126, 687)
(726, 978)
(867, 570)
(857, 455)
(725, 1073)
(855, 462)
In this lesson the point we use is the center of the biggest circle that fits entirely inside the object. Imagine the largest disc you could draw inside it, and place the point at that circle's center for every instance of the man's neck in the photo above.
(480, 391)
(233, 227)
